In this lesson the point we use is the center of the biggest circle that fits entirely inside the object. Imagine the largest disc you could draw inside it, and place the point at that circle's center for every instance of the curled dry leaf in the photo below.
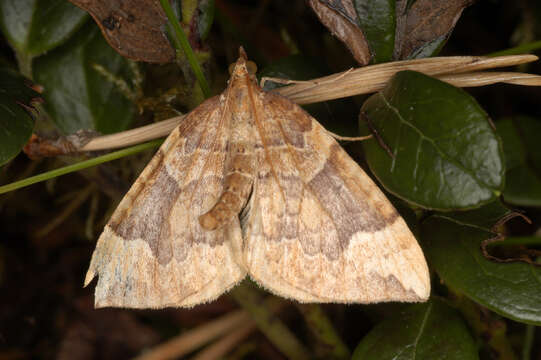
(340, 17)
(424, 25)
(38, 147)
(411, 29)
(132, 27)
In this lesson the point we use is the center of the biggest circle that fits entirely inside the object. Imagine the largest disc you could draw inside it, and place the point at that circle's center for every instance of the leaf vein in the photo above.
(431, 141)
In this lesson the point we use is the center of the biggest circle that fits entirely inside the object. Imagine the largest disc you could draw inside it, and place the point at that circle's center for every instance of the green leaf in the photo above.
(377, 19)
(76, 95)
(446, 155)
(509, 289)
(34, 27)
(16, 123)
(523, 184)
(432, 330)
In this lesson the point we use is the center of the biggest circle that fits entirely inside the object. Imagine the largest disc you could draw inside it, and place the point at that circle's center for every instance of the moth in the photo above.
(250, 184)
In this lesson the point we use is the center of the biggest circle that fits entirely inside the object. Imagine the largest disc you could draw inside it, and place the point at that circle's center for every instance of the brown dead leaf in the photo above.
(132, 27)
(421, 25)
(38, 147)
(424, 22)
(340, 17)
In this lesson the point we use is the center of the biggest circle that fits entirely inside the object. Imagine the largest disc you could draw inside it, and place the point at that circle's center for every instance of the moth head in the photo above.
(242, 67)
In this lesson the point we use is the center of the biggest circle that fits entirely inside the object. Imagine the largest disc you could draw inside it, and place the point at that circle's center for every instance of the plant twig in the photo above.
(274, 329)
(475, 79)
(355, 82)
(352, 82)
(370, 79)
(133, 136)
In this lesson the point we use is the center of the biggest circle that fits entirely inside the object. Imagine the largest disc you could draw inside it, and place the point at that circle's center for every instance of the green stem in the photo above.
(521, 49)
(79, 166)
(528, 342)
(181, 43)
(269, 324)
(324, 331)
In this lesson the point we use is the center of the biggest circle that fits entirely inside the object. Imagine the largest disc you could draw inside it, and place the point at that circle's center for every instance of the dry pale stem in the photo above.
(373, 78)
(195, 338)
(133, 136)
(461, 71)
(226, 344)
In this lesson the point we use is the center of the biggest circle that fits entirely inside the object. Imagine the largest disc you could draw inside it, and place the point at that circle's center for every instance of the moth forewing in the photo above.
(315, 227)
(319, 228)
(153, 253)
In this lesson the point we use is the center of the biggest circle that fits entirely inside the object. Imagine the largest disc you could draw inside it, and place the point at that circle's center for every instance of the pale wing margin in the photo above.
(153, 253)
(319, 229)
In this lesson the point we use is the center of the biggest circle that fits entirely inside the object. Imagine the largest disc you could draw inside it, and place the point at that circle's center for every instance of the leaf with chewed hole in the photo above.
(509, 289)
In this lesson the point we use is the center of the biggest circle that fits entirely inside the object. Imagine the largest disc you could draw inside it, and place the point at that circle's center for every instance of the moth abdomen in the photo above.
(237, 188)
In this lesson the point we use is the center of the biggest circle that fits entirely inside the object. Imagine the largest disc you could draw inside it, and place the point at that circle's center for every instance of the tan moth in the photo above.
(249, 183)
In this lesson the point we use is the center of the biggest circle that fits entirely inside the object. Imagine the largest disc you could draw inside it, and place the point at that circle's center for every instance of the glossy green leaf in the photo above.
(445, 153)
(432, 330)
(76, 95)
(16, 122)
(377, 19)
(37, 26)
(334, 114)
(512, 290)
(523, 182)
